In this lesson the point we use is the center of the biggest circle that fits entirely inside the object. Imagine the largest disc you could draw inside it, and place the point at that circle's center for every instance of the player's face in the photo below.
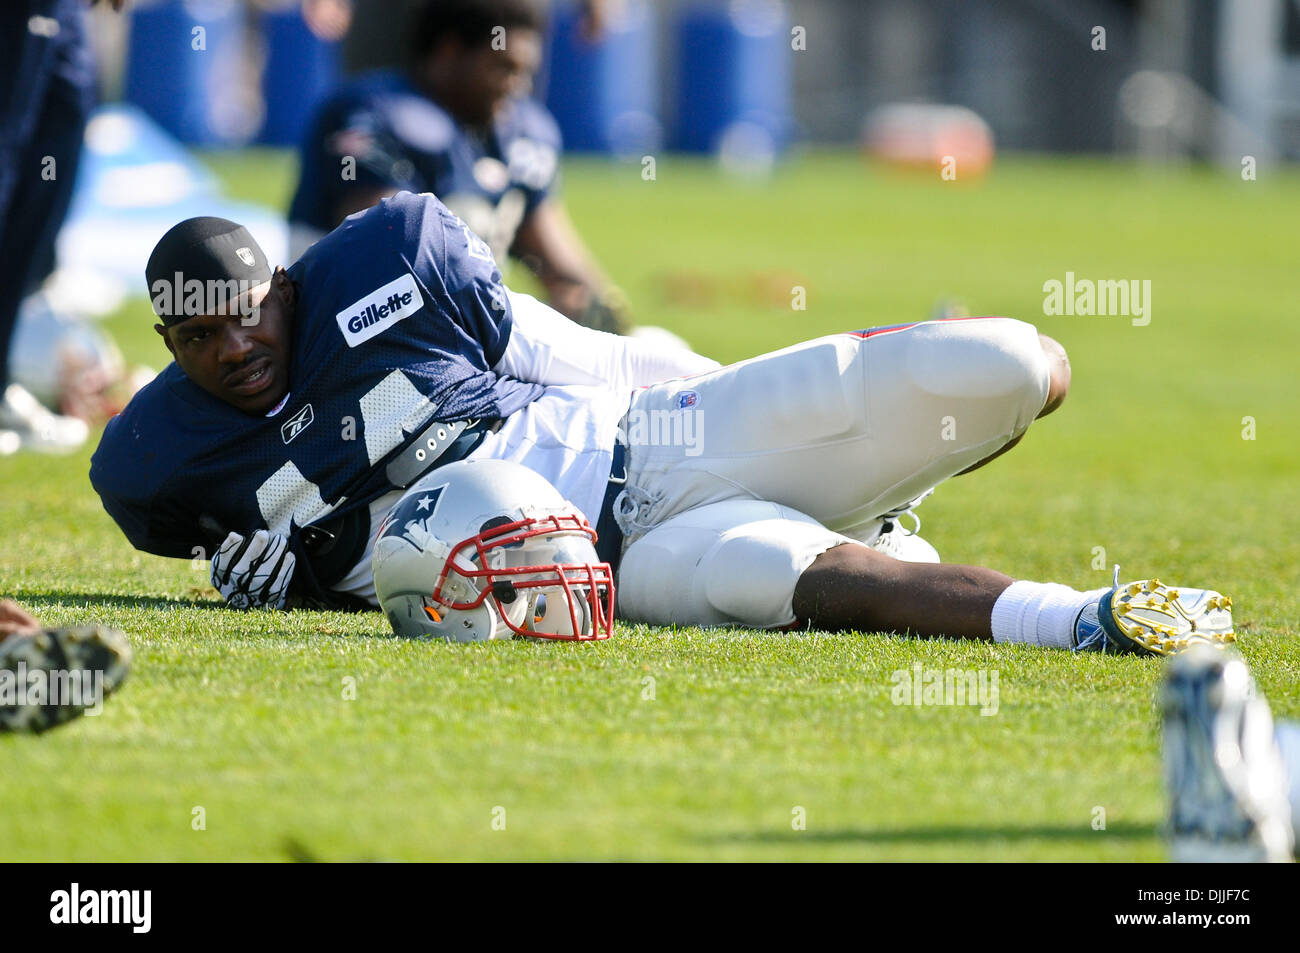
(240, 355)
(489, 77)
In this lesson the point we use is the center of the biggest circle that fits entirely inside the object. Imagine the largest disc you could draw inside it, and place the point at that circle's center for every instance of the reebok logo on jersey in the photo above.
(379, 310)
(297, 423)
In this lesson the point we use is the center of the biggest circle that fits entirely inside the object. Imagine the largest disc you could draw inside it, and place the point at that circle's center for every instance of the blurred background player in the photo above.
(458, 123)
(46, 94)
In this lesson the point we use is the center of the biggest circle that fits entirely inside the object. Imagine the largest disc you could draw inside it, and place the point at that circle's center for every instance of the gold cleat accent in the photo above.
(1169, 620)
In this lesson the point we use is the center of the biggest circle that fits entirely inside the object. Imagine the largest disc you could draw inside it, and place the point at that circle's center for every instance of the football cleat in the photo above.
(1225, 775)
(36, 427)
(1152, 618)
(81, 667)
(899, 543)
(896, 540)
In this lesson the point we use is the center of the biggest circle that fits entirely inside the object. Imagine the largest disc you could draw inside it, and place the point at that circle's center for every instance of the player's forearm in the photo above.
(573, 298)
(550, 246)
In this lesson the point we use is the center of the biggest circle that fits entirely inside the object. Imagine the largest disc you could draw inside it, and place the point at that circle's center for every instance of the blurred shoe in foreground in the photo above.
(50, 676)
(1226, 778)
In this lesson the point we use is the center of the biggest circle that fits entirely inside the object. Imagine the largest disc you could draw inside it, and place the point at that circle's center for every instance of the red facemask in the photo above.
(525, 590)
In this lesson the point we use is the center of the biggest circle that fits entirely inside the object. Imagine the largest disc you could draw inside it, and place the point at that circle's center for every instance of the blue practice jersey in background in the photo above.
(401, 315)
(379, 132)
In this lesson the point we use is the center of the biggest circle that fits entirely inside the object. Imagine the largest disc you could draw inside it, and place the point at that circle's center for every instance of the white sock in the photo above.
(1288, 740)
(1040, 613)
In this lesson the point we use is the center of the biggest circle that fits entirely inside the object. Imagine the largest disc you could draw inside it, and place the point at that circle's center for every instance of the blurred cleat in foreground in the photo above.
(53, 676)
(1225, 775)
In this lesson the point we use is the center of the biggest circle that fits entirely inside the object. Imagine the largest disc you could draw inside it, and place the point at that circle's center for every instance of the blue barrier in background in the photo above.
(300, 69)
(134, 183)
(733, 73)
(195, 94)
(605, 94)
(732, 76)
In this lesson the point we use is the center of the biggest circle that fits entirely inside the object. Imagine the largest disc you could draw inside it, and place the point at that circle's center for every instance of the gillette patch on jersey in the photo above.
(379, 310)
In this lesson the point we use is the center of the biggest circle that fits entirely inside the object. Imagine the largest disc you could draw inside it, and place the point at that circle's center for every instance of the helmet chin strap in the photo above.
(583, 607)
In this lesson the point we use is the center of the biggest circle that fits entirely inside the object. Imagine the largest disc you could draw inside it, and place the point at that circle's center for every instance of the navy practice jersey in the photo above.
(401, 316)
(378, 132)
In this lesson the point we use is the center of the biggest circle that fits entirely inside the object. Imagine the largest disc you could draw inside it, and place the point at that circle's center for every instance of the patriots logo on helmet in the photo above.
(412, 509)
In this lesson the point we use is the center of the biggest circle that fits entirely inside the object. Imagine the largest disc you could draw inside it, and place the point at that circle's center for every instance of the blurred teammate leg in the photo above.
(44, 105)
(28, 53)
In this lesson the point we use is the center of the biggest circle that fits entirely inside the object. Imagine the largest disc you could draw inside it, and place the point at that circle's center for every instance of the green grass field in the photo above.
(244, 714)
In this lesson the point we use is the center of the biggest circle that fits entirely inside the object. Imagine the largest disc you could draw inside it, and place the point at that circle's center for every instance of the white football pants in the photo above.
(739, 478)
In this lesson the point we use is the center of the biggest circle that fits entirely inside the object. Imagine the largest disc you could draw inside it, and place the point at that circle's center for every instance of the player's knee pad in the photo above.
(735, 562)
(750, 577)
(982, 359)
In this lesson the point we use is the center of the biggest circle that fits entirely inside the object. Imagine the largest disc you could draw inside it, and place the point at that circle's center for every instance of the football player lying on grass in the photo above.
(302, 409)
(51, 676)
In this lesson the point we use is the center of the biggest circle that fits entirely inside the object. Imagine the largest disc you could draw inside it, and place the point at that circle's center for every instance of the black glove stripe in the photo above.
(265, 593)
(230, 565)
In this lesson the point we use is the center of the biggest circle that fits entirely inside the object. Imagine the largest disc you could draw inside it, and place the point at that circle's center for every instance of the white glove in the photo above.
(253, 572)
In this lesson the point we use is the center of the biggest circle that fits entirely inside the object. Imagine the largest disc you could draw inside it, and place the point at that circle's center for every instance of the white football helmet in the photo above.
(488, 549)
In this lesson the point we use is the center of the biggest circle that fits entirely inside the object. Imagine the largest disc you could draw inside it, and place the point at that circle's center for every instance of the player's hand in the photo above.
(603, 311)
(253, 572)
(14, 620)
(328, 19)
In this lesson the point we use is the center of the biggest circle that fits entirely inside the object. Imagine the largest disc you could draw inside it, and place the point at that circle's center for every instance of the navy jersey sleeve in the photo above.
(128, 472)
(451, 257)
